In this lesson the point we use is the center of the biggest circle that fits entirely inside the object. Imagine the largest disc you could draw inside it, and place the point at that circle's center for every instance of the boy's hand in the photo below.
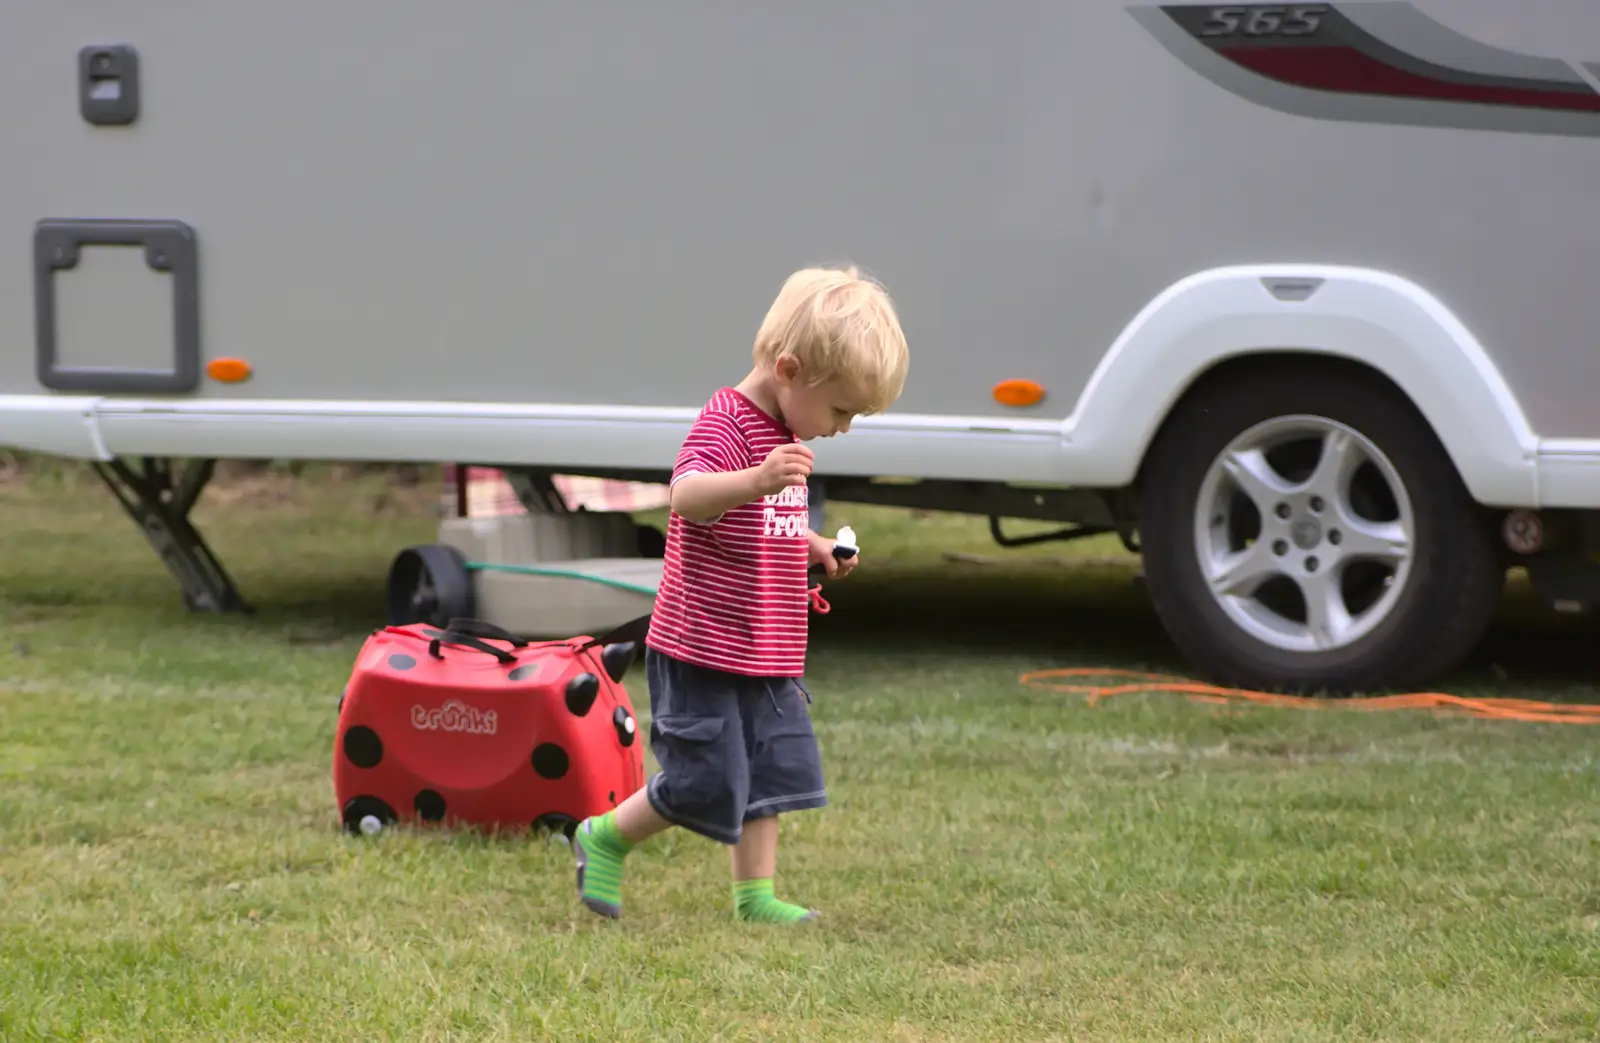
(705, 496)
(785, 466)
(822, 554)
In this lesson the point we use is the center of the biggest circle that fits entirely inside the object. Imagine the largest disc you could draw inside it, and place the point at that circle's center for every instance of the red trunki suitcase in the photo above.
(472, 726)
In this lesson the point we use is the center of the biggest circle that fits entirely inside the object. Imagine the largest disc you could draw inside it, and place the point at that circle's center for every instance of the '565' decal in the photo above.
(1375, 62)
(1257, 20)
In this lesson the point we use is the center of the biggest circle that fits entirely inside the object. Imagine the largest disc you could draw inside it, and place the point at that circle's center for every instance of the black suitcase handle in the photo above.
(633, 630)
(466, 633)
(479, 628)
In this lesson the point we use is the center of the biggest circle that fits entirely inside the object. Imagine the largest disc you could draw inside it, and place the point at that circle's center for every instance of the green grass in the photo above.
(999, 863)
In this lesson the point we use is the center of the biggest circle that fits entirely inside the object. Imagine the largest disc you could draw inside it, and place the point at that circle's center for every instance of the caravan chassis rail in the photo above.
(159, 493)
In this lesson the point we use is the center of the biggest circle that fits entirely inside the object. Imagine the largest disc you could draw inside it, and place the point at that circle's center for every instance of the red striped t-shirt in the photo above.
(733, 591)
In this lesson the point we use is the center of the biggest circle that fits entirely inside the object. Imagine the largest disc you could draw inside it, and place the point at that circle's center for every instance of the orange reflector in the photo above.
(1019, 393)
(229, 371)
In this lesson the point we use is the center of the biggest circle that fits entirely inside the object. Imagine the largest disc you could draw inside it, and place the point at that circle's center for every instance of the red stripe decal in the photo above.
(1348, 70)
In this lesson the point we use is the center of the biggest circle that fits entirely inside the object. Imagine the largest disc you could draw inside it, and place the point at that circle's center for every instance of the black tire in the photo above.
(1455, 580)
(357, 808)
(429, 584)
(555, 822)
(651, 541)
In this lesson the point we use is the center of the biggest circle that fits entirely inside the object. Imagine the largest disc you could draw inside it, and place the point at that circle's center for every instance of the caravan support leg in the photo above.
(162, 514)
(536, 490)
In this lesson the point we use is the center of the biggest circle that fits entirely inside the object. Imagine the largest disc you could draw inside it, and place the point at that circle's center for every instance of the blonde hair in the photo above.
(839, 323)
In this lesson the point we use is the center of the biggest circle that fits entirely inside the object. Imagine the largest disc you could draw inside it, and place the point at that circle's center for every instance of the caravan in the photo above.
(1294, 297)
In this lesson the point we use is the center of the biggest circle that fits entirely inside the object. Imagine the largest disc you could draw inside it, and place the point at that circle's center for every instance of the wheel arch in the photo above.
(1290, 363)
(1303, 318)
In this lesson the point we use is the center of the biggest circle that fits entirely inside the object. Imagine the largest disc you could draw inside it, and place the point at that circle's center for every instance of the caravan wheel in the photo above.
(1307, 532)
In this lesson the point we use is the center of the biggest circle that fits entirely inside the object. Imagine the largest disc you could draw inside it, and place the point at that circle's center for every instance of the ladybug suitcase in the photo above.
(474, 726)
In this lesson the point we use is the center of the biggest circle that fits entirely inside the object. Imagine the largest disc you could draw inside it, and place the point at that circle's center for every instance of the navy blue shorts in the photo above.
(732, 748)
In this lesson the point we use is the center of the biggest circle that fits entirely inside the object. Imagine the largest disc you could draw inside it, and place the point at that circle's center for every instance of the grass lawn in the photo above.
(998, 863)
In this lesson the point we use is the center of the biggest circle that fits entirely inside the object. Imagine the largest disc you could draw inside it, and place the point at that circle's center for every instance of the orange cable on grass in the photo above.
(1488, 709)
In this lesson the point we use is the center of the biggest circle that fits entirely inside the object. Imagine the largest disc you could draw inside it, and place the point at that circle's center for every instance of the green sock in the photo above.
(599, 849)
(753, 900)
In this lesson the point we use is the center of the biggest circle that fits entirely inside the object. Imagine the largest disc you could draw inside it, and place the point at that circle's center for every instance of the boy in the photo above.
(727, 641)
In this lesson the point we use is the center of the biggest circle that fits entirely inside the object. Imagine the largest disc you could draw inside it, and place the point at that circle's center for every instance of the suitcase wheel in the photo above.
(360, 814)
(555, 822)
